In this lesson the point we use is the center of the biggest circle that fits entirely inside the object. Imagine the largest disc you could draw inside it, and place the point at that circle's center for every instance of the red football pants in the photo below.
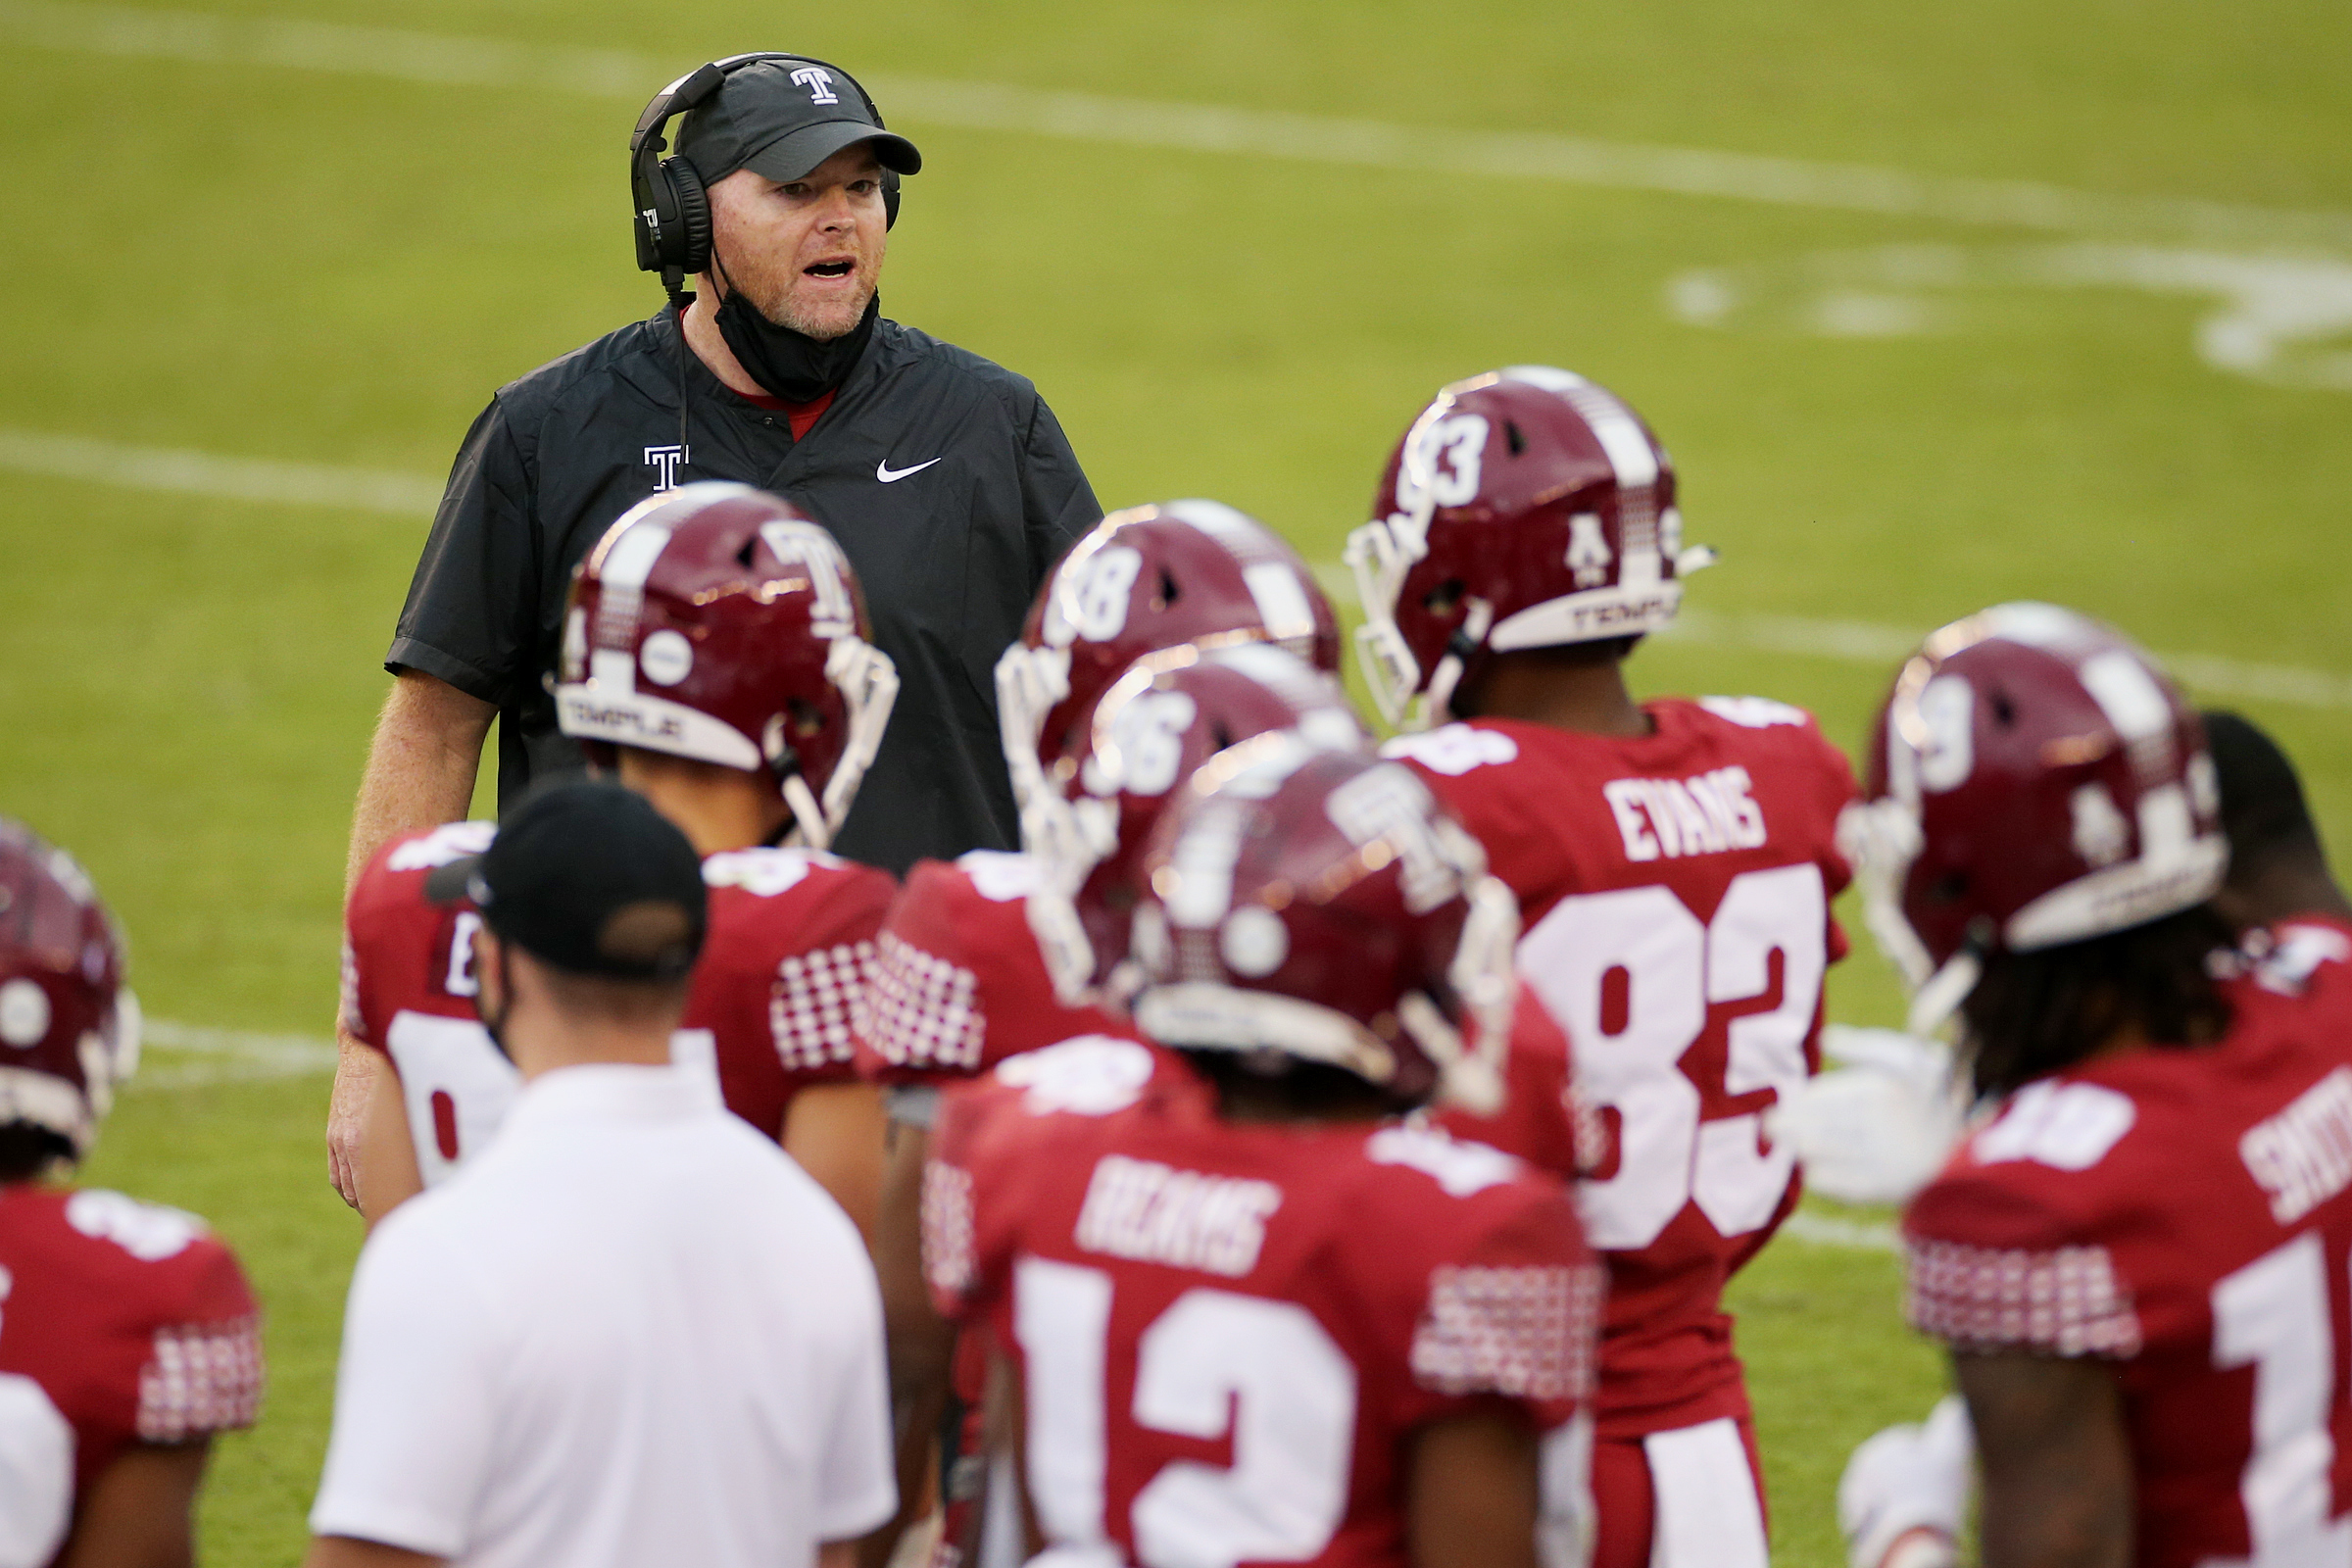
(1689, 1498)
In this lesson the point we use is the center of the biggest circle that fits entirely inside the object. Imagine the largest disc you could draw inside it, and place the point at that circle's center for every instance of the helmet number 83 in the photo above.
(1674, 970)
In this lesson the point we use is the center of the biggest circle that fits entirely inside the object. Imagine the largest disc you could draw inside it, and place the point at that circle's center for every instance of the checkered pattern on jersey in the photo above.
(202, 1378)
(2065, 1302)
(925, 1011)
(1526, 1333)
(817, 1004)
(948, 1228)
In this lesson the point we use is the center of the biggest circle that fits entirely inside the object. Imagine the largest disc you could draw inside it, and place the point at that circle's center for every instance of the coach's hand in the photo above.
(356, 1073)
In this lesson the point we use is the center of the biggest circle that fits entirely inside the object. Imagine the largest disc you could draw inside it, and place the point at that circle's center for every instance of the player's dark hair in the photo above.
(27, 1150)
(1270, 1083)
(2263, 811)
(2036, 1013)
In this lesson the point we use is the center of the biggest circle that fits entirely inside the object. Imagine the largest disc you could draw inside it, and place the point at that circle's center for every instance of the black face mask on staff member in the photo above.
(779, 115)
(791, 365)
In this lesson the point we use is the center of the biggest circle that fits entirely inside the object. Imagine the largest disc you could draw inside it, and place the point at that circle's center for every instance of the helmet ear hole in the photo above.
(1444, 598)
(1169, 593)
(2004, 711)
(742, 557)
(1512, 434)
(1951, 888)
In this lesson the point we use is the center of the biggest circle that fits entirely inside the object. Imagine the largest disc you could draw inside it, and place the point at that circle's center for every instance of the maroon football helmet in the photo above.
(1323, 905)
(720, 623)
(1525, 507)
(1144, 579)
(69, 1027)
(2033, 779)
(1130, 749)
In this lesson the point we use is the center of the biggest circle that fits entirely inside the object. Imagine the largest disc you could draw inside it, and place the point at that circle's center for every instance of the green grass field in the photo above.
(235, 237)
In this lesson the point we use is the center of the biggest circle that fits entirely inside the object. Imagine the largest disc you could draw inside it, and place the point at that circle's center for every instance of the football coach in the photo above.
(946, 478)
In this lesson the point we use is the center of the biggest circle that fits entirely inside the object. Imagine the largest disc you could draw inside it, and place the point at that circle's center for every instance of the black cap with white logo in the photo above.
(782, 119)
(588, 878)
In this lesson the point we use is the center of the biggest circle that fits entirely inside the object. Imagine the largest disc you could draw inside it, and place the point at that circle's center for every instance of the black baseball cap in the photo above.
(782, 117)
(588, 878)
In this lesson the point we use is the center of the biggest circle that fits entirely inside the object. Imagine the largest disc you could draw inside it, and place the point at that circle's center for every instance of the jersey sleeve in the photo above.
(400, 949)
(1542, 1119)
(782, 983)
(960, 983)
(1834, 776)
(204, 1370)
(971, 1198)
(817, 997)
(2011, 1257)
(1511, 1310)
(363, 1013)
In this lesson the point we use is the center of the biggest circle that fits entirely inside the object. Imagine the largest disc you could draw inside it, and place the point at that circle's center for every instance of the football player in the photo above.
(1167, 634)
(1674, 862)
(2140, 1259)
(128, 1336)
(1239, 1309)
(715, 660)
(960, 981)
(2290, 916)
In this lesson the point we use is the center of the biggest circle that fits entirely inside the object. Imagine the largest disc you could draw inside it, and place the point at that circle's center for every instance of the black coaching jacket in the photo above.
(946, 478)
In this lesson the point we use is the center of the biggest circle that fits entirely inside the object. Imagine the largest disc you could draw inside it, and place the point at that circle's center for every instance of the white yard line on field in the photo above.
(448, 61)
(224, 1056)
(206, 474)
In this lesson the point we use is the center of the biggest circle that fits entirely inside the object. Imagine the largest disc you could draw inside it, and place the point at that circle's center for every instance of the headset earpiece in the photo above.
(692, 202)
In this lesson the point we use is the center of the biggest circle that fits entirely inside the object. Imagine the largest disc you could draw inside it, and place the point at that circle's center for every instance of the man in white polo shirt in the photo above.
(631, 1332)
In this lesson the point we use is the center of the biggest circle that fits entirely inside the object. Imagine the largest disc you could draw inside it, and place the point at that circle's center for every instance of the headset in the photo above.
(672, 206)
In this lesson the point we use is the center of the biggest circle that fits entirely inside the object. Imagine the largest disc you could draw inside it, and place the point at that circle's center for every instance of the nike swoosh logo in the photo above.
(889, 475)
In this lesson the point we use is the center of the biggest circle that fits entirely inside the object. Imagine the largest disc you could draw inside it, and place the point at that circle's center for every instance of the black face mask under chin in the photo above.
(789, 364)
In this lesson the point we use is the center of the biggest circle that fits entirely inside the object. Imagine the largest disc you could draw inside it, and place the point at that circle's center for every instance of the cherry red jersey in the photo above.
(1541, 1120)
(409, 989)
(1226, 1331)
(2184, 1214)
(1676, 891)
(959, 983)
(120, 1322)
(772, 1008)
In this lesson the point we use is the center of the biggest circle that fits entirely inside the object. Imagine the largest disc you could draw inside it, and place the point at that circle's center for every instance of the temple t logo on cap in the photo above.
(818, 82)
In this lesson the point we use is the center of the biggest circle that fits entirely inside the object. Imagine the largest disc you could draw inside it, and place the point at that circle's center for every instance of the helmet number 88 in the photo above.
(1676, 968)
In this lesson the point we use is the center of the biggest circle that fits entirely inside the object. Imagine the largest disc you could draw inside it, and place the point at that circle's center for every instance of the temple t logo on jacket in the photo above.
(666, 462)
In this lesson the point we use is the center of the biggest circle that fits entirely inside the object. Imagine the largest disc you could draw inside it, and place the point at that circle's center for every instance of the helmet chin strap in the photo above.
(1935, 1002)
(815, 832)
(1449, 673)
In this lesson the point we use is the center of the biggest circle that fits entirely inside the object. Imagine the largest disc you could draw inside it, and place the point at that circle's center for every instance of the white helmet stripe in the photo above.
(1622, 439)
